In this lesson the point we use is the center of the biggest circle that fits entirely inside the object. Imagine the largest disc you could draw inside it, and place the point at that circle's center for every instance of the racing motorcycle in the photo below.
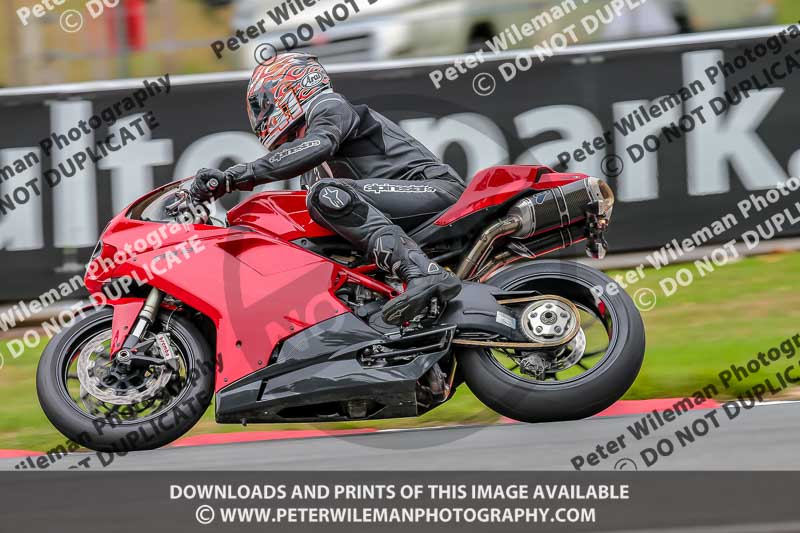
(278, 320)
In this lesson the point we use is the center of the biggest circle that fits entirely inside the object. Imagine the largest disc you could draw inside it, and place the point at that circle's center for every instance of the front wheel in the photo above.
(101, 404)
(576, 380)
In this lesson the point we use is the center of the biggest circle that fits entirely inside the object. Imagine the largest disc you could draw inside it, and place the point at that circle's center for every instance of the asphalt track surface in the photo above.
(762, 438)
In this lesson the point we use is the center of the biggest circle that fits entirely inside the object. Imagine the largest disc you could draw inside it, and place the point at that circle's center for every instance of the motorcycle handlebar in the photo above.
(185, 206)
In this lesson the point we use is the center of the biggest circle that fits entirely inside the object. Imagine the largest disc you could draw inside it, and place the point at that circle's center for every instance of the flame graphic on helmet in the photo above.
(279, 92)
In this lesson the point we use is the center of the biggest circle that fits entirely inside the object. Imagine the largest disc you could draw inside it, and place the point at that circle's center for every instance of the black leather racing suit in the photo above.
(382, 177)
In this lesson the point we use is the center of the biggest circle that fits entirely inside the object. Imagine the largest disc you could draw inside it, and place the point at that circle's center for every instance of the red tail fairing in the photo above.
(496, 185)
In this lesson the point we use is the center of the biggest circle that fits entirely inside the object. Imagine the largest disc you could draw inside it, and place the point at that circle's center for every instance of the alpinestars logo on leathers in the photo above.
(283, 154)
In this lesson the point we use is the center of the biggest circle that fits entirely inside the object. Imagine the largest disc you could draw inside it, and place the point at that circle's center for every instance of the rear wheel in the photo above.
(575, 380)
(107, 406)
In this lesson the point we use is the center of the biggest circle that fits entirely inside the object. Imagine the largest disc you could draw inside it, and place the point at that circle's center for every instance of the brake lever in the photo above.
(184, 204)
(179, 205)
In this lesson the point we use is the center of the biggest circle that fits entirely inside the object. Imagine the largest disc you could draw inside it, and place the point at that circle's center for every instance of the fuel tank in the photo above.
(279, 213)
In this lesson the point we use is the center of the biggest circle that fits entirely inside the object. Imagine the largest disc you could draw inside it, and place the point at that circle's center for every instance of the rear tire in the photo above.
(587, 395)
(116, 434)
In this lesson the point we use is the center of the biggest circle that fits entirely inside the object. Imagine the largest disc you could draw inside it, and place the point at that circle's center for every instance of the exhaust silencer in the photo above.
(561, 206)
(548, 221)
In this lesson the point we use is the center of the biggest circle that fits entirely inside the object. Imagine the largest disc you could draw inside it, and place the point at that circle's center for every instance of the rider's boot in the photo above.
(396, 253)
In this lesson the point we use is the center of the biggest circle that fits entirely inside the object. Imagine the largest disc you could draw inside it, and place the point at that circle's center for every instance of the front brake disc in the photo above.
(92, 374)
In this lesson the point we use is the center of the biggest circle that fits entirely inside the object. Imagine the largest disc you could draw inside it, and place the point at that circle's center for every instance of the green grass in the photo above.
(788, 11)
(728, 317)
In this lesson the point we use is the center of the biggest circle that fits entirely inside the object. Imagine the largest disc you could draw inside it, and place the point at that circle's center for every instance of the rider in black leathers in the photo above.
(385, 180)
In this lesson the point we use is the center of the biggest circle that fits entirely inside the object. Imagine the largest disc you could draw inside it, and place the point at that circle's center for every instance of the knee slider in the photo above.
(332, 198)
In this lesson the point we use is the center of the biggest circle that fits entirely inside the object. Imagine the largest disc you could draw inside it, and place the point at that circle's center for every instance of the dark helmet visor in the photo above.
(257, 112)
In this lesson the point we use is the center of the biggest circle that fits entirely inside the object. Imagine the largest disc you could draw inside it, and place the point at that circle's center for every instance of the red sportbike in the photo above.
(279, 320)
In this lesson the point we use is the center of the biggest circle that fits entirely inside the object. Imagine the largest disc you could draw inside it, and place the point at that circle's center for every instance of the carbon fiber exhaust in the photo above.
(561, 207)
(548, 221)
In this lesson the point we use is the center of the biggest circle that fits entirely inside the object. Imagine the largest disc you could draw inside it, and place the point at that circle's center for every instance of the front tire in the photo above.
(600, 386)
(119, 428)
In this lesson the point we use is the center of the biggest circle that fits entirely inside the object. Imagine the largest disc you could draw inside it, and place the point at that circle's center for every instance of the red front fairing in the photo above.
(256, 289)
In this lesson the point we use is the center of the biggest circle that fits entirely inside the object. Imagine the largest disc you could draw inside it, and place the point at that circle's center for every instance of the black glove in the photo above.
(213, 184)
(209, 184)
